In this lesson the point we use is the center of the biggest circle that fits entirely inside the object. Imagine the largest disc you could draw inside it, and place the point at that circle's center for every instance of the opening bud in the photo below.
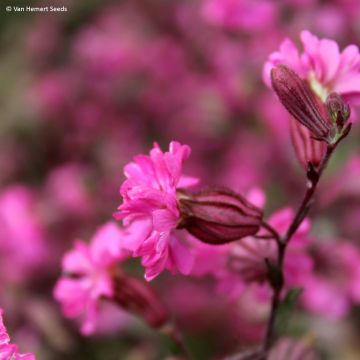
(298, 99)
(218, 215)
(338, 110)
(139, 298)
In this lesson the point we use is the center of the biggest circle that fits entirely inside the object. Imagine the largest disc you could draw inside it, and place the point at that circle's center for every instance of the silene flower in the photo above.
(311, 86)
(87, 278)
(157, 203)
(92, 275)
(314, 124)
(10, 351)
(150, 209)
(321, 65)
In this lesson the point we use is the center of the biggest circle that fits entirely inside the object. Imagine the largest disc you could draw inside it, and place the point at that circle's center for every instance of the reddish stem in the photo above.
(314, 176)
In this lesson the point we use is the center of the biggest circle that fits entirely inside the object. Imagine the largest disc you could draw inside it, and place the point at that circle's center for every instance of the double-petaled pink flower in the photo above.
(87, 270)
(150, 209)
(10, 351)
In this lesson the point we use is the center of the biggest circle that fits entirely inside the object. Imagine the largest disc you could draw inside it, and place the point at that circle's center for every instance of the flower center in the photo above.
(319, 89)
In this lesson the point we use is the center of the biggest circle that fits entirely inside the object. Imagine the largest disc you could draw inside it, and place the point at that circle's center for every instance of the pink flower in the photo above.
(87, 275)
(335, 285)
(322, 64)
(325, 70)
(150, 209)
(10, 351)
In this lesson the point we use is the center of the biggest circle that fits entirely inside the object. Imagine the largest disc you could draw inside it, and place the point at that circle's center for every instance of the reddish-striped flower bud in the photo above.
(218, 215)
(307, 149)
(139, 298)
(298, 99)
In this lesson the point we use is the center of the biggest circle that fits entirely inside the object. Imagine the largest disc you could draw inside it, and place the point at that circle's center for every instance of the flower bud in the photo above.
(307, 149)
(139, 298)
(218, 215)
(298, 99)
(338, 110)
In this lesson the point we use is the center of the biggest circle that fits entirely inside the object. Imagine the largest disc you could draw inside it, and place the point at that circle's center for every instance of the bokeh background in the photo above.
(82, 91)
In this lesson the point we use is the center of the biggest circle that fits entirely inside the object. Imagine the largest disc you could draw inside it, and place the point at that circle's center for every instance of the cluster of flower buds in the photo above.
(218, 215)
(324, 121)
(315, 124)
